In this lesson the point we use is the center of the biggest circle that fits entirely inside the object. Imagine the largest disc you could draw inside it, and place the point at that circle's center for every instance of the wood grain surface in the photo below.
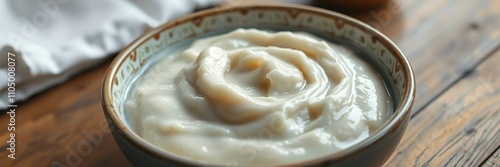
(57, 127)
(453, 46)
(494, 160)
(460, 128)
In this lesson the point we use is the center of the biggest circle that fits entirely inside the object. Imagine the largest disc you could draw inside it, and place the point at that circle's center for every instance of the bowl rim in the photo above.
(402, 111)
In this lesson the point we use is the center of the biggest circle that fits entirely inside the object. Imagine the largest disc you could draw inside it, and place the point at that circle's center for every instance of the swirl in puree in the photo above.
(252, 97)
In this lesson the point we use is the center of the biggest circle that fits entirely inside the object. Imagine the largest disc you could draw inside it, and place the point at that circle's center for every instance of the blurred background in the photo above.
(62, 48)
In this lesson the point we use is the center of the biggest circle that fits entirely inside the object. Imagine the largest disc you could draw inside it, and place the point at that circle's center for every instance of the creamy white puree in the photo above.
(252, 97)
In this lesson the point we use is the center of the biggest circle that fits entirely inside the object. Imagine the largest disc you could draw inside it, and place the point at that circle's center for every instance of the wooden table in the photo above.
(453, 45)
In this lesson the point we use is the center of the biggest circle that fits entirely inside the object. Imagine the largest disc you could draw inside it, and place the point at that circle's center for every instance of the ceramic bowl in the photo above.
(377, 49)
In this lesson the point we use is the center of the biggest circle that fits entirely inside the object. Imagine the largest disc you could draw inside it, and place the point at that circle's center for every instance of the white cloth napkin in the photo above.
(55, 39)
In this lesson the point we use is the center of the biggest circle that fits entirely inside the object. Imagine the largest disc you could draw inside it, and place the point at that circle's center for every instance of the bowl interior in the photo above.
(365, 41)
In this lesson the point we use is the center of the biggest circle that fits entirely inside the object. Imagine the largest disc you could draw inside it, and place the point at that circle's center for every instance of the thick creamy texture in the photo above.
(252, 97)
